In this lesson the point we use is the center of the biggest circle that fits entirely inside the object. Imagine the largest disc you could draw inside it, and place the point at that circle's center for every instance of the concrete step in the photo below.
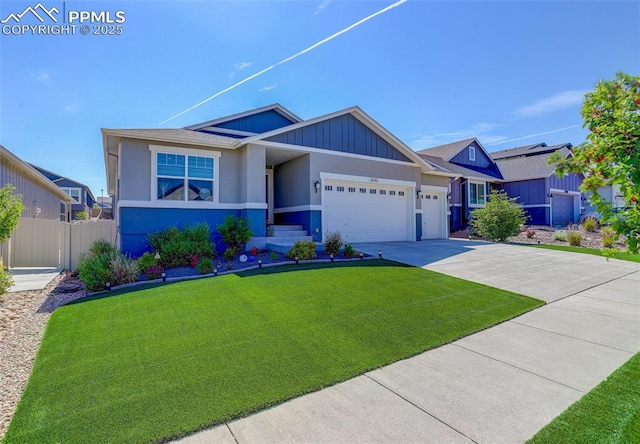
(261, 242)
(284, 228)
(288, 233)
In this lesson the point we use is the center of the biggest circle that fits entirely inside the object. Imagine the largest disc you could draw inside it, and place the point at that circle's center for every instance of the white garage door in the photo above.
(366, 212)
(432, 215)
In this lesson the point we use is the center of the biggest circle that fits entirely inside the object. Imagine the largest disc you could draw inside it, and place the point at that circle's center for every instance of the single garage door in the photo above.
(366, 212)
(562, 209)
(432, 215)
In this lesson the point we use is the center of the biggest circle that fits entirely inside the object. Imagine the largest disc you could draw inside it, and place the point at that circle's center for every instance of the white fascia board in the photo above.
(306, 149)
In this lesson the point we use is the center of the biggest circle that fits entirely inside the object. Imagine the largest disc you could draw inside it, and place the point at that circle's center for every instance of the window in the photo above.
(74, 193)
(363, 190)
(476, 193)
(392, 193)
(328, 187)
(427, 196)
(352, 189)
(183, 177)
(383, 191)
(63, 211)
(400, 193)
(372, 191)
(340, 188)
(472, 153)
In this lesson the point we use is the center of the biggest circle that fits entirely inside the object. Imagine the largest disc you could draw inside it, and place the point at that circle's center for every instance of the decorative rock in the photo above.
(243, 258)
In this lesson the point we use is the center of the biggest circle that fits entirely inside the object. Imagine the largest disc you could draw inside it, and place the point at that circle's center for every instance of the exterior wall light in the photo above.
(316, 185)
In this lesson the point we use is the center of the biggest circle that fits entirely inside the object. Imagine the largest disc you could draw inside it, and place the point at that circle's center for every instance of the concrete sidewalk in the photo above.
(499, 385)
(32, 278)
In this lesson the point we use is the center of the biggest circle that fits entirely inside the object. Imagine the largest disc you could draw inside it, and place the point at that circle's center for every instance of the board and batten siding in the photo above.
(527, 192)
(570, 182)
(462, 158)
(257, 123)
(343, 133)
(34, 195)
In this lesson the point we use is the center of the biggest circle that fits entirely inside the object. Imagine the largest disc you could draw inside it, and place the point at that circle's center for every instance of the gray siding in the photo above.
(292, 183)
(570, 182)
(34, 195)
(252, 171)
(481, 161)
(437, 181)
(344, 133)
(135, 174)
(528, 192)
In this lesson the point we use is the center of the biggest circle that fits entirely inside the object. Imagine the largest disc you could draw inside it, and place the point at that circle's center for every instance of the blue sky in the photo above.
(431, 72)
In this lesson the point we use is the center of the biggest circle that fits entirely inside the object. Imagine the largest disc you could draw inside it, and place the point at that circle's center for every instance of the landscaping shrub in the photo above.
(11, 208)
(95, 271)
(124, 270)
(81, 215)
(6, 281)
(235, 232)
(146, 261)
(154, 272)
(229, 254)
(177, 247)
(104, 263)
(500, 218)
(303, 250)
(273, 256)
(101, 247)
(531, 233)
(574, 238)
(608, 237)
(590, 224)
(348, 251)
(205, 266)
(332, 242)
(560, 236)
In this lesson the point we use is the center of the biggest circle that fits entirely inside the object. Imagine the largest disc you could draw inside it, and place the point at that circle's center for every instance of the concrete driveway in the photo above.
(499, 385)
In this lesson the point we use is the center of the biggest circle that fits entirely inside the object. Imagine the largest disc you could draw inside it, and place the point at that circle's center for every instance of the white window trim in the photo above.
(472, 153)
(472, 205)
(155, 149)
(73, 200)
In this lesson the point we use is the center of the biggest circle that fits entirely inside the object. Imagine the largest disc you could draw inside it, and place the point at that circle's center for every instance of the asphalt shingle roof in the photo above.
(529, 167)
(443, 165)
(447, 151)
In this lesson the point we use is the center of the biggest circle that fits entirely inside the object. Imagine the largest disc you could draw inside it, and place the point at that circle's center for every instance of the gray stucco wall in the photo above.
(326, 163)
(135, 173)
(34, 195)
(437, 181)
(292, 183)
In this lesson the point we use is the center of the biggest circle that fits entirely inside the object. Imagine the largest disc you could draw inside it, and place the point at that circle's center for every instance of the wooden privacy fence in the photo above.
(52, 243)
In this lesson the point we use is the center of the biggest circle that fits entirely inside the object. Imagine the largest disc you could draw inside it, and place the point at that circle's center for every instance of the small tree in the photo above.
(235, 232)
(611, 154)
(11, 208)
(81, 215)
(500, 218)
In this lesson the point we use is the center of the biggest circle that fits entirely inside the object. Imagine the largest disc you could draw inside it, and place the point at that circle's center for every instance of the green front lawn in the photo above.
(159, 362)
(622, 255)
(610, 413)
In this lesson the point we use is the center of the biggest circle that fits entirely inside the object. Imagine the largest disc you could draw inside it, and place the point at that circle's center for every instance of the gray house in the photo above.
(339, 172)
(42, 199)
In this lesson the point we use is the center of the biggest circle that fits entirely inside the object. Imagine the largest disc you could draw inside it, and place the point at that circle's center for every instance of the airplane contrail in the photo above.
(288, 59)
(534, 135)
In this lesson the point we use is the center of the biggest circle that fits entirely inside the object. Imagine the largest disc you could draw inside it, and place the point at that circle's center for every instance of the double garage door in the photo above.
(367, 212)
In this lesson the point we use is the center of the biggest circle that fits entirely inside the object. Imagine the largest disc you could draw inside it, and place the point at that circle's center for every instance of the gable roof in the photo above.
(54, 177)
(529, 167)
(443, 165)
(276, 107)
(529, 150)
(361, 116)
(449, 150)
(30, 171)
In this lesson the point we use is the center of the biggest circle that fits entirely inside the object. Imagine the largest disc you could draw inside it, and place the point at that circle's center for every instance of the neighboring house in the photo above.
(477, 170)
(547, 198)
(523, 172)
(102, 209)
(81, 196)
(339, 172)
(42, 199)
